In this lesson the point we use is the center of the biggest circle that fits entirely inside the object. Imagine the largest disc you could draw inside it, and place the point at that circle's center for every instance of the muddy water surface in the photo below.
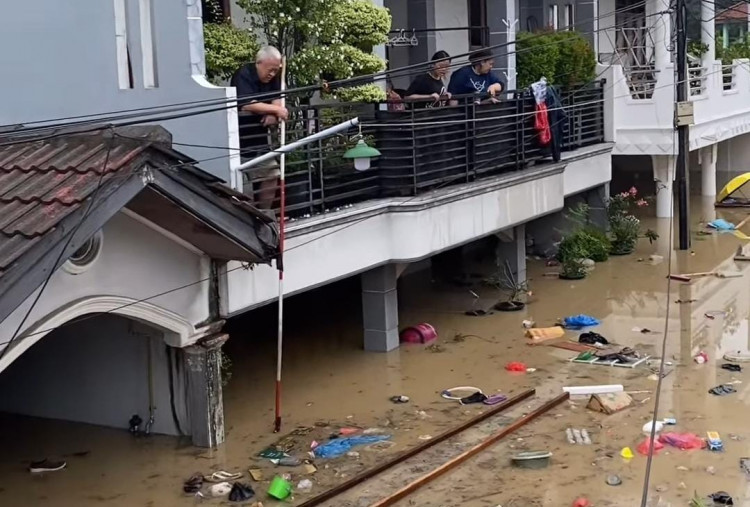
(330, 383)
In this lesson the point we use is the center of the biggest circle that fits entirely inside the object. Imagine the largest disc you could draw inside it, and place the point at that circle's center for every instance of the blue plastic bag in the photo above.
(721, 225)
(340, 446)
(579, 321)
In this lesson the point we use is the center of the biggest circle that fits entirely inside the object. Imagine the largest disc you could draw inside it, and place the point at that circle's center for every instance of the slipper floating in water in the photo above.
(36, 467)
(220, 489)
(222, 476)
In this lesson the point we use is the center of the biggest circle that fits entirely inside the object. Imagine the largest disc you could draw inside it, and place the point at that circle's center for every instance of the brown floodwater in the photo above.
(329, 382)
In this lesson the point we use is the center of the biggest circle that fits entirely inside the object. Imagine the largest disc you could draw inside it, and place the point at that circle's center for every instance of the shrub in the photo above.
(227, 49)
(564, 57)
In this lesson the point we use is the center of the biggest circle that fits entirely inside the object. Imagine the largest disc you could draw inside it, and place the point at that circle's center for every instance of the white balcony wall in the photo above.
(646, 126)
(68, 59)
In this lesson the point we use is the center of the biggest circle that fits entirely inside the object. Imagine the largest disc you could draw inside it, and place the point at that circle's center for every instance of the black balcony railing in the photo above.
(425, 148)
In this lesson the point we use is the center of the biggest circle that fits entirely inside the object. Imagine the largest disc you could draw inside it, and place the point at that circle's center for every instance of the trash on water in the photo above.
(516, 366)
(271, 453)
(627, 453)
(731, 367)
(745, 466)
(721, 498)
(421, 333)
(528, 324)
(400, 399)
(645, 446)
(682, 441)
(589, 390)
(532, 459)
(280, 488)
(713, 440)
(579, 437)
(649, 425)
(609, 403)
(722, 389)
(425, 437)
(579, 321)
(592, 338)
(305, 486)
(287, 461)
(614, 480)
(581, 502)
(340, 446)
(701, 357)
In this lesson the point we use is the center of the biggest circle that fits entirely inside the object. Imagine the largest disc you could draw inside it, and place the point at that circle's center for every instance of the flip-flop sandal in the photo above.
(448, 393)
(495, 399)
(222, 476)
(737, 357)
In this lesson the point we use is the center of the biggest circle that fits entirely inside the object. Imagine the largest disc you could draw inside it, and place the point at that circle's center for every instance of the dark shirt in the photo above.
(465, 81)
(253, 135)
(425, 84)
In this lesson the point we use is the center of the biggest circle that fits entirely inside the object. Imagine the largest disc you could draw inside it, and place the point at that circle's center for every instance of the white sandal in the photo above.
(222, 476)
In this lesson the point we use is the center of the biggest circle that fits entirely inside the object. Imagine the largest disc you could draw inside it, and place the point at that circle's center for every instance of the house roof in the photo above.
(737, 13)
(56, 193)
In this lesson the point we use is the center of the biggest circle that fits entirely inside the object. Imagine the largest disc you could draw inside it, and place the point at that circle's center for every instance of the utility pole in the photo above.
(683, 119)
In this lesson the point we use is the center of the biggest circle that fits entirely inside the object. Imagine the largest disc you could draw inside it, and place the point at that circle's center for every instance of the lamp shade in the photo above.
(361, 151)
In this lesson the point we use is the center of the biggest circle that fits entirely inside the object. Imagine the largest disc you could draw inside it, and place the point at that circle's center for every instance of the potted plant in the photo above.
(515, 291)
(573, 261)
(624, 227)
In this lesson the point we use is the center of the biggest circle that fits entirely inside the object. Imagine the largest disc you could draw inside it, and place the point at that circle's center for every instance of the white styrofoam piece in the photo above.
(587, 390)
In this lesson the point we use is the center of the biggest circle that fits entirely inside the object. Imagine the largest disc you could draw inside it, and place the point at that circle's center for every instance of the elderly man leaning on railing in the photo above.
(257, 121)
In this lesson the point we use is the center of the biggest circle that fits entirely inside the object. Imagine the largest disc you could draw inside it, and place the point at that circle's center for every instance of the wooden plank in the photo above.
(449, 465)
(367, 474)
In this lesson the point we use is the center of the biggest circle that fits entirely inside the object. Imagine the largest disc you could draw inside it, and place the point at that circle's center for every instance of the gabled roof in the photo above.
(737, 13)
(56, 193)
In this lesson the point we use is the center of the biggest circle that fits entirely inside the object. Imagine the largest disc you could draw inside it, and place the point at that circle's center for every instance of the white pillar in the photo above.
(380, 308)
(708, 29)
(664, 172)
(661, 31)
(512, 248)
(708, 170)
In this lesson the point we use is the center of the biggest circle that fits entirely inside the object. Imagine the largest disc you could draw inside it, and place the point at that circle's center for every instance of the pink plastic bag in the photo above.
(683, 441)
(644, 446)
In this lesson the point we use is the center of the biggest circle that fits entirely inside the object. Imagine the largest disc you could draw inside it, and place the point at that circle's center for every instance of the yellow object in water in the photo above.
(735, 193)
(627, 453)
(541, 334)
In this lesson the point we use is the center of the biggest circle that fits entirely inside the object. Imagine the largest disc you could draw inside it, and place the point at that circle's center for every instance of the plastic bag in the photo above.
(516, 366)
(683, 441)
(643, 447)
(341, 446)
(579, 321)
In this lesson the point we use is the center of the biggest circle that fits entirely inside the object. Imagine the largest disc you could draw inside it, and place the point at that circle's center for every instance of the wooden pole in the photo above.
(450, 465)
(367, 474)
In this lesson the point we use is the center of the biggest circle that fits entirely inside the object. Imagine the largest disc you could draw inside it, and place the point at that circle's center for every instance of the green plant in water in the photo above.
(572, 260)
(588, 238)
(624, 227)
(506, 282)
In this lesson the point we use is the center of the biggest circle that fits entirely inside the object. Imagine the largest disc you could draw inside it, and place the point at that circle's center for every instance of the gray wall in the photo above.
(95, 371)
(60, 59)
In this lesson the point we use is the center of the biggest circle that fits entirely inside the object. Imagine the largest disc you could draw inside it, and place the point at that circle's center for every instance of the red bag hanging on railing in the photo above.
(541, 124)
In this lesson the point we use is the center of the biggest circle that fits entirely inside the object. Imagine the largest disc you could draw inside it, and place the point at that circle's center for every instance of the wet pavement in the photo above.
(331, 383)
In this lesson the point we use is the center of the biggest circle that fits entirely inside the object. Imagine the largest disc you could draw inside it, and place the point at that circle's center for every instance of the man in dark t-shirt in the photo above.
(428, 89)
(257, 118)
(477, 78)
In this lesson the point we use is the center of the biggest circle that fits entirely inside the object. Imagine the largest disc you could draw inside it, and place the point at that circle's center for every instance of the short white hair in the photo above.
(266, 53)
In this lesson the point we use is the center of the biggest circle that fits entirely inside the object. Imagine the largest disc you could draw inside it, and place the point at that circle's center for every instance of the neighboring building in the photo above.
(732, 23)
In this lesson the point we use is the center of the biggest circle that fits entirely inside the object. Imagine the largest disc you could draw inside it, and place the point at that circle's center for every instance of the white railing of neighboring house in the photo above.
(729, 77)
(697, 76)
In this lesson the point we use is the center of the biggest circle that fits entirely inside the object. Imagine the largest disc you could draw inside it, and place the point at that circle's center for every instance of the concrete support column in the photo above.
(664, 173)
(708, 31)
(204, 393)
(512, 248)
(597, 198)
(502, 19)
(421, 14)
(708, 170)
(380, 308)
(661, 31)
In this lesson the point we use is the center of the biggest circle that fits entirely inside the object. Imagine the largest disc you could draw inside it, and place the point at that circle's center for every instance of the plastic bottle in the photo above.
(569, 434)
(585, 437)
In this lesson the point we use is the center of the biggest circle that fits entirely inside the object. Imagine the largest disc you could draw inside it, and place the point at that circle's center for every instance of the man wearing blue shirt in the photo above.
(476, 78)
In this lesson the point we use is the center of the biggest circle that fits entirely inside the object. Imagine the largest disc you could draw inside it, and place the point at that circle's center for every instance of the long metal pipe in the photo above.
(302, 142)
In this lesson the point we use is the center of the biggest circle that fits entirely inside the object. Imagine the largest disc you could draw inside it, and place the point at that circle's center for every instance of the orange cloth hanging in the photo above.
(541, 124)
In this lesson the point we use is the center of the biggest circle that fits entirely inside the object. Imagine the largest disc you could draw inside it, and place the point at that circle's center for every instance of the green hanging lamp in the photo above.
(362, 154)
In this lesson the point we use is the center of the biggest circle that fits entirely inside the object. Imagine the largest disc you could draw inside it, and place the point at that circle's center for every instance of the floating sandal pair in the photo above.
(477, 396)
(194, 484)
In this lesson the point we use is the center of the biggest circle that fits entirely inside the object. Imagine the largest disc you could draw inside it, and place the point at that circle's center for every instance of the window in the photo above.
(569, 17)
(478, 32)
(148, 51)
(85, 256)
(124, 69)
(215, 11)
(553, 21)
